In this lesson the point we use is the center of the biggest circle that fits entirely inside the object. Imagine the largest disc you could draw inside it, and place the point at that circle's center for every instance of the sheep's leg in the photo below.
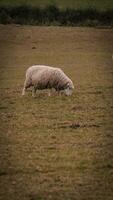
(59, 93)
(24, 88)
(51, 90)
(23, 91)
(26, 85)
(34, 91)
(49, 93)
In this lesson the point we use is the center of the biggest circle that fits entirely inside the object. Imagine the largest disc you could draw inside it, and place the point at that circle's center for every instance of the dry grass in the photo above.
(56, 147)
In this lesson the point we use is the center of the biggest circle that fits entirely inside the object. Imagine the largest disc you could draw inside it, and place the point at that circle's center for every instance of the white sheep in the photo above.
(45, 77)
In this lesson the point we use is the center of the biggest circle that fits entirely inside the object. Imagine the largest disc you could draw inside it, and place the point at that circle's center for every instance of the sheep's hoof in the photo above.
(23, 93)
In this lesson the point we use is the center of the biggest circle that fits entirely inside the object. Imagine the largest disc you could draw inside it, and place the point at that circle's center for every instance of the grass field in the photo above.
(98, 4)
(56, 148)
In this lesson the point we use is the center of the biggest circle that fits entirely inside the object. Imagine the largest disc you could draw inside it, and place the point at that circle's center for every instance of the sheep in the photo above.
(46, 77)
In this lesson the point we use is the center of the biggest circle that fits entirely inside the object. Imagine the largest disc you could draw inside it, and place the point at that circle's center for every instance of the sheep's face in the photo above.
(68, 91)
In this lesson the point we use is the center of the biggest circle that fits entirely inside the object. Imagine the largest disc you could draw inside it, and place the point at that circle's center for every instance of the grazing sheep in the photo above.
(45, 77)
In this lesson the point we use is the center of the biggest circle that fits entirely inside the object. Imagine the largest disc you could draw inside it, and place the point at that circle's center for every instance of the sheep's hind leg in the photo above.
(34, 91)
(24, 88)
(26, 85)
(23, 91)
(59, 93)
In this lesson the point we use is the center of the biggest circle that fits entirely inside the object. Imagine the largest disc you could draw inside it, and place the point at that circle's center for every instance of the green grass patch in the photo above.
(53, 15)
(97, 4)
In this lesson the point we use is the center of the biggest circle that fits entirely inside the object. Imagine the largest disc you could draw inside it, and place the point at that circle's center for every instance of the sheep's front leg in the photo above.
(34, 91)
(49, 93)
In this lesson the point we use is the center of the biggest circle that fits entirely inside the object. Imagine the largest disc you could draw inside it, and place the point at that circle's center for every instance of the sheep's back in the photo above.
(42, 78)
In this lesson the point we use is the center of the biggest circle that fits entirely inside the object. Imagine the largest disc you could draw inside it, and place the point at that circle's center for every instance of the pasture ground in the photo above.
(58, 147)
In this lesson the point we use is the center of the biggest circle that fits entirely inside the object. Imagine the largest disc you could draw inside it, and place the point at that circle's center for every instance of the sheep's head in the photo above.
(69, 89)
